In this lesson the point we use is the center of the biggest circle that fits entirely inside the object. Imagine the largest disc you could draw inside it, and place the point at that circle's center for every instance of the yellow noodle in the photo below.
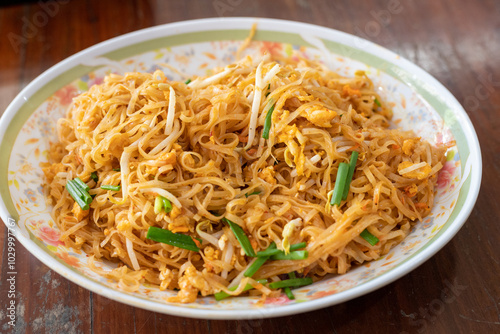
(201, 146)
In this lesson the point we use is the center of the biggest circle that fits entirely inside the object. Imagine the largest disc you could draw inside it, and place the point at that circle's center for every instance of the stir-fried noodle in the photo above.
(202, 147)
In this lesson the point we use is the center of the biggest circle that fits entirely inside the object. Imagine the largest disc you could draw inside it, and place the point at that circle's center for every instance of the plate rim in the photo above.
(171, 29)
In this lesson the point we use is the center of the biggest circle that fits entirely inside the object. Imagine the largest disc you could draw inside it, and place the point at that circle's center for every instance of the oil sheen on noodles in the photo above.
(202, 146)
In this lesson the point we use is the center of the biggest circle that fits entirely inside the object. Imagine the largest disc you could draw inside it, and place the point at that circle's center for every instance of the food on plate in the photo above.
(263, 176)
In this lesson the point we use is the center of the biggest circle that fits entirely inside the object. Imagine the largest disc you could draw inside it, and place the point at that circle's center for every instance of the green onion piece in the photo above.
(338, 190)
(267, 123)
(295, 255)
(82, 190)
(293, 282)
(372, 240)
(269, 87)
(377, 102)
(94, 176)
(222, 295)
(259, 262)
(267, 94)
(298, 246)
(110, 187)
(166, 204)
(188, 81)
(352, 167)
(158, 204)
(116, 169)
(81, 184)
(287, 289)
(271, 250)
(175, 239)
(289, 293)
(241, 236)
(162, 203)
(254, 193)
(77, 195)
(255, 266)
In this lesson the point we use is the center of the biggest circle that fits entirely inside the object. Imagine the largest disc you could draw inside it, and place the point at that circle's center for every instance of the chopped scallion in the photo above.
(94, 176)
(81, 184)
(372, 240)
(272, 250)
(158, 205)
(77, 195)
(338, 190)
(352, 167)
(377, 102)
(267, 123)
(116, 169)
(110, 187)
(175, 239)
(188, 81)
(294, 255)
(253, 193)
(252, 269)
(292, 282)
(241, 236)
(222, 295)
(289, 293)
(162, 203)
(166, 204)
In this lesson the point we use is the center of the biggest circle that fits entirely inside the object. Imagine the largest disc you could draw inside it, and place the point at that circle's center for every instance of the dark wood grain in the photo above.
(456, 291)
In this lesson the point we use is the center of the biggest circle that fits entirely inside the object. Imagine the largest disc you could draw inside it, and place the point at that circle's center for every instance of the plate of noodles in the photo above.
(239, 167)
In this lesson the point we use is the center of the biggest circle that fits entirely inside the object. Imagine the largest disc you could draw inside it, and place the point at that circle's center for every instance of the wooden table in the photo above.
(458, 42)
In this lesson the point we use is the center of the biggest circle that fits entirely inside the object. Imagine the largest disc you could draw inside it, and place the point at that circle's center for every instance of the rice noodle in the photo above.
(200, 146)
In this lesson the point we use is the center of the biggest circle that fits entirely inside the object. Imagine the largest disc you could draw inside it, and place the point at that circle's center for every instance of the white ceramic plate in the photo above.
(419, 101)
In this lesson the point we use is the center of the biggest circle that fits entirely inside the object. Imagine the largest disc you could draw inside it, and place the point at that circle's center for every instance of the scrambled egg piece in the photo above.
(175, 212)
(348, 91)
(408, 145)
(190, 283)
(166, 276)
(267, 174)
(179, 225)
(78, 212)
(288, 231)
(320, 116)
(287, 136)
(211, 253)
(51, 170)
(169, 158)
(419, 173)
(123, 225)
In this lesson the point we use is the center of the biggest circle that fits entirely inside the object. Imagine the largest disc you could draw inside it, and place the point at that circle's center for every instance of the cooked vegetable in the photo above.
(272, 250)
(175, 239)
(352, 167)
(338, 190)
(292, 282)
(222, 295)
(372, 240)
(241, 236)
(110, 187)
(295, 255)
(267, 123)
